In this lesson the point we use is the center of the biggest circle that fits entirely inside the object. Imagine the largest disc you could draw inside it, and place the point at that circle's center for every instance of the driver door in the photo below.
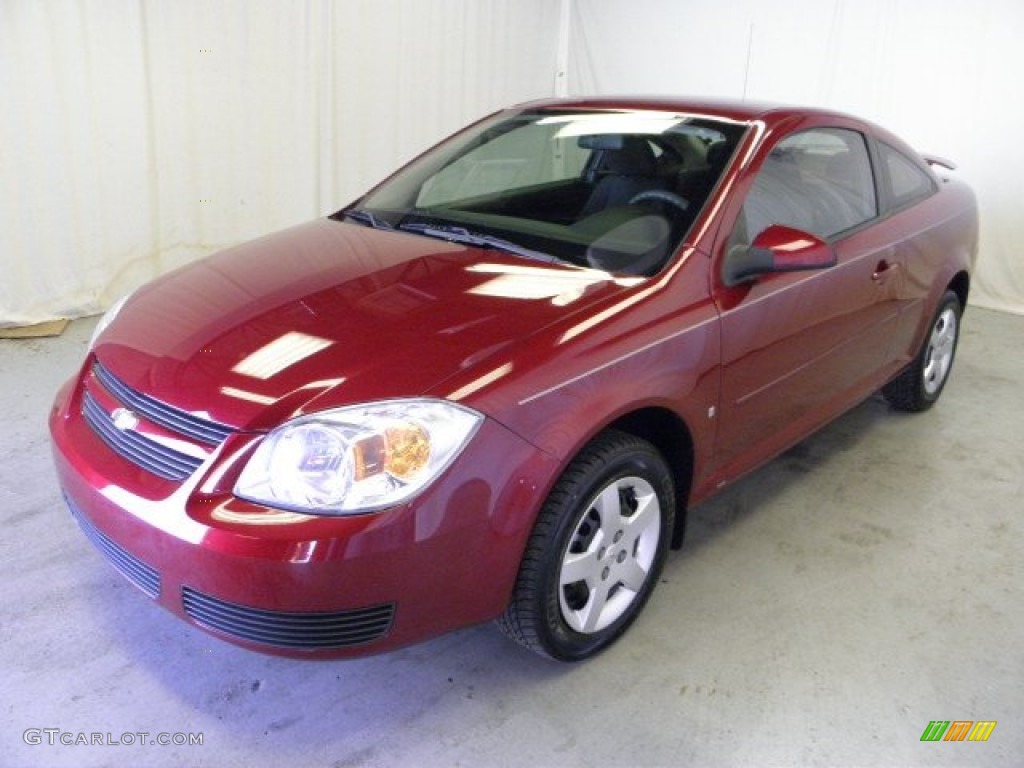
(800, 347)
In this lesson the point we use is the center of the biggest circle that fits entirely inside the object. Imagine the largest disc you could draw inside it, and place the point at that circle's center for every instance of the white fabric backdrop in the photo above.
(943, 74)
(135, 136)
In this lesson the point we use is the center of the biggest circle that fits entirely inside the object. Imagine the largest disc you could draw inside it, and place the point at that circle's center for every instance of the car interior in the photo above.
(565, 187)
(625, 212)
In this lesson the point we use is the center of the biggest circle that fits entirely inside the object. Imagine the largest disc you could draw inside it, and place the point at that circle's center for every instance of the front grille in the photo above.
(146, 452)
(143, 576)
(174, 419)
(289, 629)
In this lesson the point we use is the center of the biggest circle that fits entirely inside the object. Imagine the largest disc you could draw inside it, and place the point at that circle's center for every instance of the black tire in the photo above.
(918, 387)
(609, 521)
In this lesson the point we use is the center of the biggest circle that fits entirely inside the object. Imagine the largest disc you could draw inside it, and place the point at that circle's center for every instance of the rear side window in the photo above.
(818, 181)
(907, 182)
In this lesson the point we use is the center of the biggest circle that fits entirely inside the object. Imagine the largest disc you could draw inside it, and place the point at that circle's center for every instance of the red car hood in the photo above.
(330, 311)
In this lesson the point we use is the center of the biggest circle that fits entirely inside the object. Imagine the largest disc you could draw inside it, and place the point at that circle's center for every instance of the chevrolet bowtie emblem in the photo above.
(124, 419)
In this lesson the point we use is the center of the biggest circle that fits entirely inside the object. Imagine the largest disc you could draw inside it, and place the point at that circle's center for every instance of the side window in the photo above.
(907, 182)
(818, 181)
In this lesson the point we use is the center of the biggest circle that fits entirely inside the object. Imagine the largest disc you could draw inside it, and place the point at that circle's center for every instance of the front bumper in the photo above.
(299, 585)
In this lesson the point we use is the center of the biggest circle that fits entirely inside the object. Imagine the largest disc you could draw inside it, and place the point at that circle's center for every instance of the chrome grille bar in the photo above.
(139, 449)
(174, 419)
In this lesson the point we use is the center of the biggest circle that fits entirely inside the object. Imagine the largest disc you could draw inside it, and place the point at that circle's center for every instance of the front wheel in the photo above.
(920, 384)
(596, 550)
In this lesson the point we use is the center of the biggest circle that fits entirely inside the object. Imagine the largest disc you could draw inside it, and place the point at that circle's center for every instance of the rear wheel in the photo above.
(595, 552)
(920, 384)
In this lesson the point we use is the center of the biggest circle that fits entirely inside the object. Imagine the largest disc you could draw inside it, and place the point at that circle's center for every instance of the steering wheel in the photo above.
(661, 196)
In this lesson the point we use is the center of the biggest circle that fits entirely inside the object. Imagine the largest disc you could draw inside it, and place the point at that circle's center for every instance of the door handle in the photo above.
(882, 270)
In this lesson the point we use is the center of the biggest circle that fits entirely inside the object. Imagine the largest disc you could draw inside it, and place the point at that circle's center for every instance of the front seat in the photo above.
(627, 170)
(695, 185)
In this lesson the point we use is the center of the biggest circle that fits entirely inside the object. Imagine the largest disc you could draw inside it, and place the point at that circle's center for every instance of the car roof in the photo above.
(730, 109)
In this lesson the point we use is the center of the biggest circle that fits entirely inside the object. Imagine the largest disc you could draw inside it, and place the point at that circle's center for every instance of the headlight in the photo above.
(107, 319)
(357, 459)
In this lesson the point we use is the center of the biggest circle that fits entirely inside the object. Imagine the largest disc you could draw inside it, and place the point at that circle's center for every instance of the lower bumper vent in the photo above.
(289, 629)
(143, 576)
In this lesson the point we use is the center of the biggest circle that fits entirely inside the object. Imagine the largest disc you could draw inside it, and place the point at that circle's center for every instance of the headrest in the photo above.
(717, 153)
(623, 155)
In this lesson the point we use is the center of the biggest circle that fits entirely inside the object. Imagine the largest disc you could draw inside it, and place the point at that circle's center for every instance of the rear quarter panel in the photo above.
(936, 240)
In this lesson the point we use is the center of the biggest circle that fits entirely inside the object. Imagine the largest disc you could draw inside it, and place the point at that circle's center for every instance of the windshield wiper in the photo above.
(364, 216)
(454, 234)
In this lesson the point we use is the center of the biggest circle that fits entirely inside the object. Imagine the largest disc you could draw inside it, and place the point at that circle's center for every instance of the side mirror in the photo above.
(777, 249)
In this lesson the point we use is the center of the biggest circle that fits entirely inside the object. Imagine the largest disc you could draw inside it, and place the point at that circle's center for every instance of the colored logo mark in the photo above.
(958, 730)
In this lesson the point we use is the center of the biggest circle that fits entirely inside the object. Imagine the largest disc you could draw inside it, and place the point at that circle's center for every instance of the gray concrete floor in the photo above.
(822, 612)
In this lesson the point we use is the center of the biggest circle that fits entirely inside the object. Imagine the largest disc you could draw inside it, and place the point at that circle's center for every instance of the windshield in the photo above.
(612, 190)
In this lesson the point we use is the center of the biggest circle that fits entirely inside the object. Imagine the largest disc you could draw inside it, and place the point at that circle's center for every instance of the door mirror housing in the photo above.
(777, 249)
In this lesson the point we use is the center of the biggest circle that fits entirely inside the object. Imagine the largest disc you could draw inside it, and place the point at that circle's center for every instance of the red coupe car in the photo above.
(491, 388)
